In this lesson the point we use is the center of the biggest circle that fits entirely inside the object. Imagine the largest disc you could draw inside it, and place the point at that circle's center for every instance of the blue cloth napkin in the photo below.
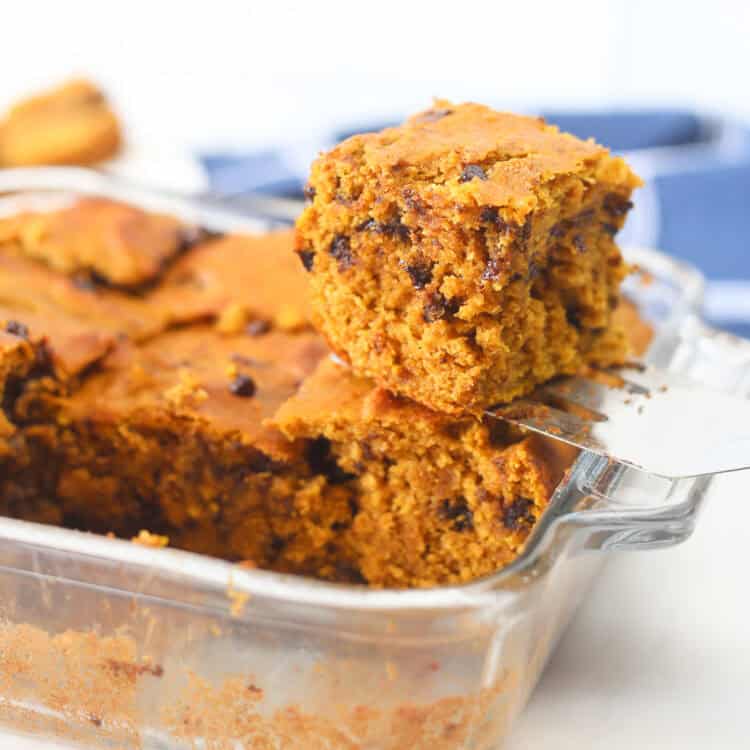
(696, 204)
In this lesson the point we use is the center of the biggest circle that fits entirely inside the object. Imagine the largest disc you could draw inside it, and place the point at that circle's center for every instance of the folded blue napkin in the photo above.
(695, 206)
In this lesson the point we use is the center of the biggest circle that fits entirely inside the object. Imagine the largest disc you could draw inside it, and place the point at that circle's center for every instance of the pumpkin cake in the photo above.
(466, 256)
(200, 406)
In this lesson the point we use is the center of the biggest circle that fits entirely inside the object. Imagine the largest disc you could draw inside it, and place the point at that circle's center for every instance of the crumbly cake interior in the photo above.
(466, 256)
(200, 405)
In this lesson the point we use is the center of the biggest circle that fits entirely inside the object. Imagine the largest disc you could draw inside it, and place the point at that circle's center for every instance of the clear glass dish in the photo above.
(104, 643)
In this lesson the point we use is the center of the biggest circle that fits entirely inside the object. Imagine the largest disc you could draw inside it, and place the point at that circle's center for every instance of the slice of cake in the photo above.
(439, 499)
(466, 256)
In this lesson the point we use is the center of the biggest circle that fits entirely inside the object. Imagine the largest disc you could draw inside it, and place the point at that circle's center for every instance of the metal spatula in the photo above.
(651, 419)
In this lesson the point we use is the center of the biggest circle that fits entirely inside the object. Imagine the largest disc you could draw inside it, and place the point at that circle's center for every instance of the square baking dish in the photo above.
(104, 643)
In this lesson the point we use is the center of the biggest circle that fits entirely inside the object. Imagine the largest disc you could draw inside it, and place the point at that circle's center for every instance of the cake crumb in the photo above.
(233, 318)
(146, 539)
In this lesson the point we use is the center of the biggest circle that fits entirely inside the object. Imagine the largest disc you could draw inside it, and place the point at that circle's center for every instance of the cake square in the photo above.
(466, 256)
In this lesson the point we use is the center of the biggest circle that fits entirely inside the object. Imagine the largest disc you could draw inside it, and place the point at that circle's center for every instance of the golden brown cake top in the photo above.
(238, 279)
(31, 289)
(95, 237)
(474, 153)
(71, 124)
(231, 382)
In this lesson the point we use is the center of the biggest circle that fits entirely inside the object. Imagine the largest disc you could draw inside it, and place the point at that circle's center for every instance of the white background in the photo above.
(660, 655)
(223, 72)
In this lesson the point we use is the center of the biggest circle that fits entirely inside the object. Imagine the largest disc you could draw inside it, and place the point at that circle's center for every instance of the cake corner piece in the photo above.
(467, 255)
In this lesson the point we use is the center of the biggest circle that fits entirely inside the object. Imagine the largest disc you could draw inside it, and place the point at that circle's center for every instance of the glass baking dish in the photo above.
(104, 643)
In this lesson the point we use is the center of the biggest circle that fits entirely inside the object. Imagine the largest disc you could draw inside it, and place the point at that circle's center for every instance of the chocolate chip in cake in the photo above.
(420, 273)
(438, 307)
(471, 171)
(616, 205)
(243, 385)
(257, 327)
(413, 201)
(346, 573)
(341, 250)
(579, 242)
(393, 228)
(610, 229)
(368, 225)
(309, 193)
(16, 328)
(573, 316)
(517, 513)
(560, 229)
(276, 545)
(307, 257)
(321, 461)
(489, 214)
(458, 511)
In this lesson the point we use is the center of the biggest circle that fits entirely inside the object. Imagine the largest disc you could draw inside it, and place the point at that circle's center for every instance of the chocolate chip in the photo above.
(307, 257)
(433, 115)
(309, 192)
(616, 205)
(346, 573)
(470, 171)
(573, 316)
(243, 385)
(321, 461)
(534, 270)
(257, 327)
(613, 302)
(517, 513)
(560, 229)
(276, 545)
(368, 225)
(396, 229)
(393, 228)
(516, 277)
(16, 328)
(579, 242)
(420, 273)
(610, 229)
(257, 463)
(438, 307)
(413, 201)
(458, 511)
(340, 249)
(489, 215)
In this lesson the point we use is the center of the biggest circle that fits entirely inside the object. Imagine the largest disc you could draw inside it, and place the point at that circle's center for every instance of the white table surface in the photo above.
(659, 655)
